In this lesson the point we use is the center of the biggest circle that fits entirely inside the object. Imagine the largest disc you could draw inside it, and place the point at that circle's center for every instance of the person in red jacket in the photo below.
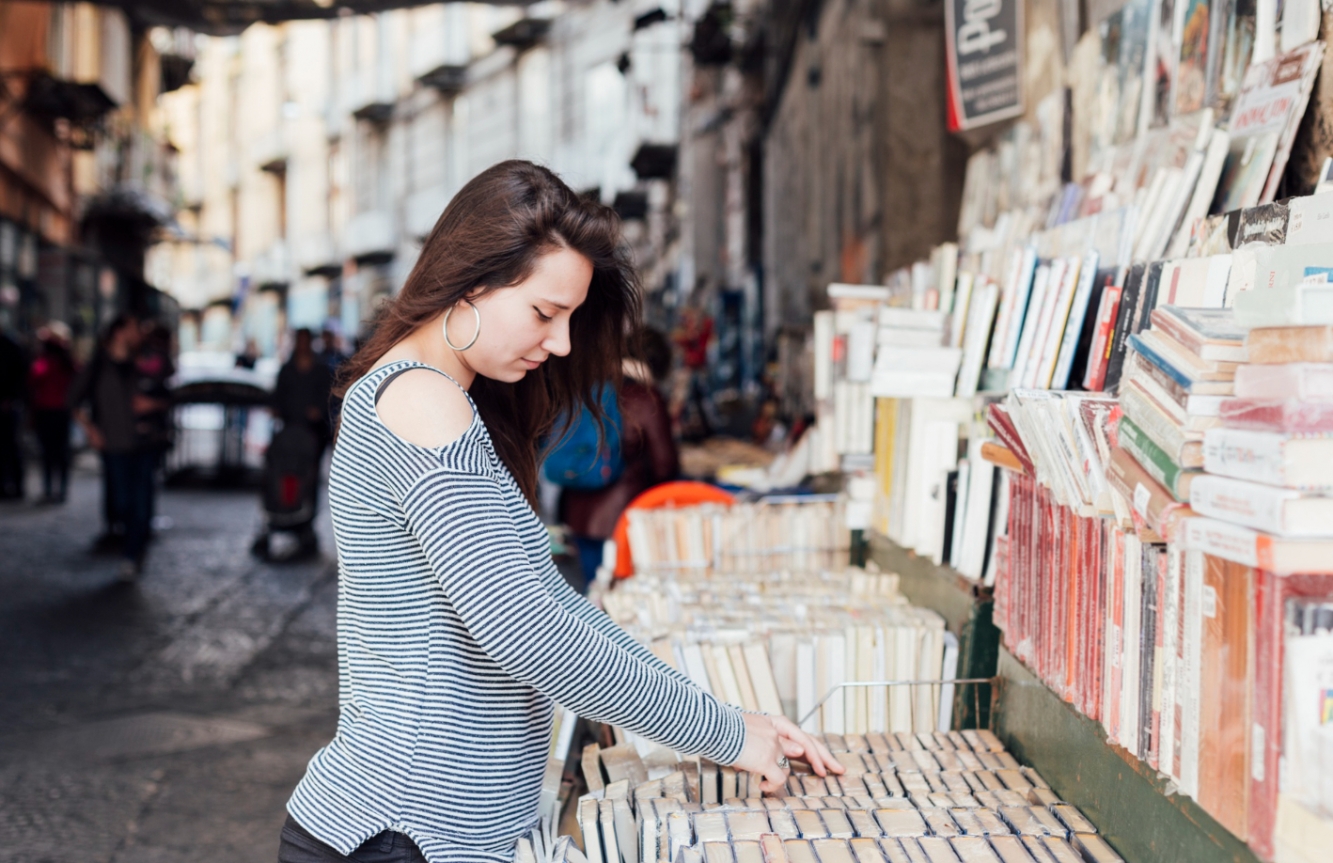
(647, 449)
(49, 379)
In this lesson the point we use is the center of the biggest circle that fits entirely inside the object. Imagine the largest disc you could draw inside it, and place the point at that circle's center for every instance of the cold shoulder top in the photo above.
(456, 633)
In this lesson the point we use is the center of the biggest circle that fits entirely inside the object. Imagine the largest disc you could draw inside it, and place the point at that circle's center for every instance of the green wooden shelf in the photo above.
(1130, 803)
(1134, 808)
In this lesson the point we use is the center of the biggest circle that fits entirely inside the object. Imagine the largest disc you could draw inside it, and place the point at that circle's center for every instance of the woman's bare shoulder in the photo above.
(425, 408)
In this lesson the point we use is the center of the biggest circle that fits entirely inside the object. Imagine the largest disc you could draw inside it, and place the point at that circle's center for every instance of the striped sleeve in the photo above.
(475, 549)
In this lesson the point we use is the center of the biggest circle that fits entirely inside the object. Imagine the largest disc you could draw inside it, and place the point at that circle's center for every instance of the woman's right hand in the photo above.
(770, 740)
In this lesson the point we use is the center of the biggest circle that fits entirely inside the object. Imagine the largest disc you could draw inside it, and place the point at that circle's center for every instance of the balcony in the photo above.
(272, 267)
(423, 209)
(370, 237)
(316, 255)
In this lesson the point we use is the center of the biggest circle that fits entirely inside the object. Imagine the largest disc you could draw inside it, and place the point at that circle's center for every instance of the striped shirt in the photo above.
(455, 635)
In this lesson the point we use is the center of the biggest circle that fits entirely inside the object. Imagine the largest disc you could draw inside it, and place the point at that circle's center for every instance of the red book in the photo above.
(1099, 352)
(1294, 415)
(1271, 593)
(1003, 425)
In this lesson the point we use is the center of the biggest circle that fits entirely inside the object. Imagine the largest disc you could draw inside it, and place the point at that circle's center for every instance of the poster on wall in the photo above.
(985, 61)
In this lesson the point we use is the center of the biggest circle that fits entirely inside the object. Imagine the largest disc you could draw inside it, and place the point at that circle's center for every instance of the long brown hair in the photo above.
(490, 236)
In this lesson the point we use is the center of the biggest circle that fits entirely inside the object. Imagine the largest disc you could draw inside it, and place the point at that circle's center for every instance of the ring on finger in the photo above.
(783, 762)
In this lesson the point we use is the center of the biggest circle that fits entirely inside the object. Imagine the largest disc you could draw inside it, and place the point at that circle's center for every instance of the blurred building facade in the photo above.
(315, 156)
(87, 178)
(750, 146)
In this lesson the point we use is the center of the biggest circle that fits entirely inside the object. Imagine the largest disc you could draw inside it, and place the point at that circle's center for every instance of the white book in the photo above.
(1205, 188)
(1281, 511)
(976, 523)
(899, 337)
(833, 651)
(961, 303)
(1129, 662)
(1310, 220)
(1024, 289)
(762, 678)
(907, 385)
(842, 291)
(912, 319)
(1189, 674)
(592, 834)
(980, 318)
(606, 820)
(960, 508)
(1170, 623)
(806, 673)
(895, 359)
(1078, 312)
(1041, 283)
(1058, 293)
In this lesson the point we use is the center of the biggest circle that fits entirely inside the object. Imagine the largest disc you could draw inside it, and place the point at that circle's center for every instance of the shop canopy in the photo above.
(221, 17)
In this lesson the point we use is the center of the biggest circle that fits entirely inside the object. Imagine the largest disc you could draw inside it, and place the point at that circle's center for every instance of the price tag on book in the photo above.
(1141, 498)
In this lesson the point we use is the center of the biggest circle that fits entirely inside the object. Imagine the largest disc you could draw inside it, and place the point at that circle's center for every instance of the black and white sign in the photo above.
(985, 57)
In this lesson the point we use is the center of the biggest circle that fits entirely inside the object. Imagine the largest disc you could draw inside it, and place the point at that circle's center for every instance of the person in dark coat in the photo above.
(304, 385)
(647, 448)
(13, 376)
(117, 404)
(49, 381)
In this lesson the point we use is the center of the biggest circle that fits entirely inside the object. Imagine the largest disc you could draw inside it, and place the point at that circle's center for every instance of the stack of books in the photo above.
(786, 533)
(781, 641)
(904, 798)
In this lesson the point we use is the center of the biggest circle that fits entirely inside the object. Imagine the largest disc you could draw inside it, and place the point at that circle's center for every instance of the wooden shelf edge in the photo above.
(1130, 803)
(924, 583)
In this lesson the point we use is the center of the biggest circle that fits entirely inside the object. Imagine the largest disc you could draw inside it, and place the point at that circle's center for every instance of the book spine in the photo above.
(1100, 352)
(1277, 415)
(1159, 384)
(1168, 368)
(1243, 454)
(1074, 323)
(1150, 456)
(1122, 332)
(1262, 507)
(1174, 327)
(1154, 422)
(1290, 345)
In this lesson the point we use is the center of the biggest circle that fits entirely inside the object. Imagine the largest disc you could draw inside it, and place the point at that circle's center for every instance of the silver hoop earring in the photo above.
(476, 313)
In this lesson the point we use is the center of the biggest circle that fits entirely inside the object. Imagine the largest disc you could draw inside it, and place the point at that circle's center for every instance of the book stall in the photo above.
(755, 602)
(1109, 406)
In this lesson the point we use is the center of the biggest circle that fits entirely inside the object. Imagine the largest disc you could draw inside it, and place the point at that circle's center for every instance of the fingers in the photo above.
(812, 750)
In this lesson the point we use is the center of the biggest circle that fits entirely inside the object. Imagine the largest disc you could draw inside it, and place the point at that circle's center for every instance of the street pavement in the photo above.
(165, 720)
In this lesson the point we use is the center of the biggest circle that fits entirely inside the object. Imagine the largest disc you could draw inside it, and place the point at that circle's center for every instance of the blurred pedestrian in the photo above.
(246, 359)
(648, 454)
(330, 350)
(49, 380)
(13, 377)
(693, 337)
(303, 389)
(108, 404)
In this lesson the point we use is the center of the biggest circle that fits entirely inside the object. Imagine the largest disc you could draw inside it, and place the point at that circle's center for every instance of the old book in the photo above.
(1292, 415)
(1129, 301)
(1305, 381)
(1153, 459)
(1100, 348)
(1212, 334)
(1287, 459)
(1181, 374)
(1280, 555)
(1290, 344)
(1183, 447)
(1192, 412)
(1225, 687)
(1193, 364)
(1300, 304)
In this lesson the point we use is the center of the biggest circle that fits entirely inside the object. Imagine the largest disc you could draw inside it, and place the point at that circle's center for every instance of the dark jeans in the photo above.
(11, 452)
(52, 429)
(298, 846)
(129, 477)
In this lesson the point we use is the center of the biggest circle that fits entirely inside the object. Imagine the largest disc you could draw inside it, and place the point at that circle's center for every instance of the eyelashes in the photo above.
(544, 318)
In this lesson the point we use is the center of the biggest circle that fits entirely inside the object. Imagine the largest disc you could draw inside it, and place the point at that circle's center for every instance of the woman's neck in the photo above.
(426, 345)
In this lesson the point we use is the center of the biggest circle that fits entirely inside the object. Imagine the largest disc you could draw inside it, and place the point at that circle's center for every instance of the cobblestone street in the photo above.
(165, 720)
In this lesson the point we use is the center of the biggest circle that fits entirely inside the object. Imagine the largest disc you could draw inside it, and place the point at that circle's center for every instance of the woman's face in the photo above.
(523, 325)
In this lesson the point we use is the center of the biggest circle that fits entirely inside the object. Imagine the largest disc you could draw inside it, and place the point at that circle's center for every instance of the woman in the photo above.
(456, 632)
(49, 382)
(647, 449)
